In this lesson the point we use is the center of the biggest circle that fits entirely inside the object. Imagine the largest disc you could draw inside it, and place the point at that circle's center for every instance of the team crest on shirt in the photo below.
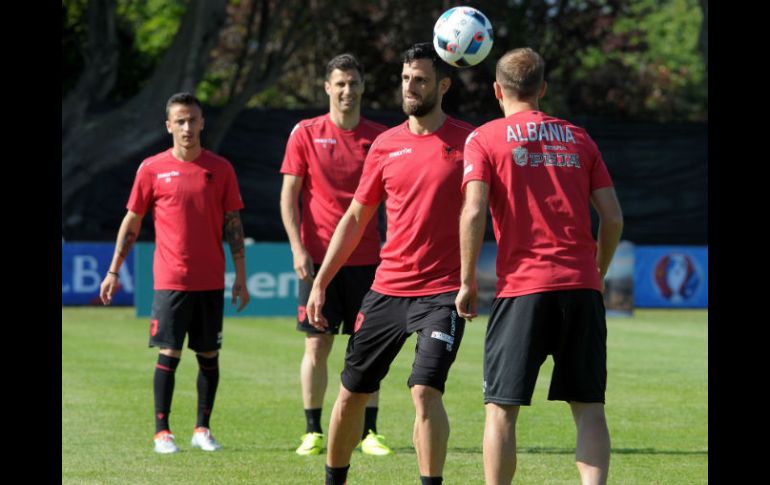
(520, 156)
(449, 153)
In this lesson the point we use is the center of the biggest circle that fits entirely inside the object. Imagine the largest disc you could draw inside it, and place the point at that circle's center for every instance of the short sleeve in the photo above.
(232, 200)
(371, 186)
(476, 163)
(600, 176)
(295, 157)
(141, 198)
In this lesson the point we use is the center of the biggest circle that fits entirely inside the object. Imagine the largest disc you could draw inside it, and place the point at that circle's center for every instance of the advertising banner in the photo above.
(83, 267)
(671, 277)
(270, 279)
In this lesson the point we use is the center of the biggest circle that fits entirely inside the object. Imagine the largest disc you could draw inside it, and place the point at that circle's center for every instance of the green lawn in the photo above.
(657, 407)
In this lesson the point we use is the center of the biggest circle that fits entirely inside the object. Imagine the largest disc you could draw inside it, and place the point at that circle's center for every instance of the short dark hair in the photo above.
(344, 62)
(184, 98)
(521, 72)
(425, 50)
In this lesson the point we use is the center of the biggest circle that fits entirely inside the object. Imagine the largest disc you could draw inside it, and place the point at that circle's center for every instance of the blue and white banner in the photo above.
(83, 267)
(664, 277)
(671, 277)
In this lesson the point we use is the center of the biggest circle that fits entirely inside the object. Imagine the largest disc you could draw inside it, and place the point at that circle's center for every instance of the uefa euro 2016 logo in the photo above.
(676, 277)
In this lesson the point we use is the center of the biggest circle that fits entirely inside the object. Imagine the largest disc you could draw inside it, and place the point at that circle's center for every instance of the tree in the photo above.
(95, 139)
(99, 134)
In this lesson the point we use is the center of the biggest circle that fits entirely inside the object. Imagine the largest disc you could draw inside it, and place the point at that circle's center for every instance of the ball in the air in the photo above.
(463, 36)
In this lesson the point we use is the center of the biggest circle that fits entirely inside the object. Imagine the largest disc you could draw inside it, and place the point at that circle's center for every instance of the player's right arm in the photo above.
(473, 220)
(605, 201)
(127, 235)
(346, 237)
(303, 263)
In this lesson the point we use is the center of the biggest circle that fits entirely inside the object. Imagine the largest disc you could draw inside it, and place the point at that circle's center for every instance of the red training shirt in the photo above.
(331, 160)
(419, 177)
(541, 171)
(188, 201)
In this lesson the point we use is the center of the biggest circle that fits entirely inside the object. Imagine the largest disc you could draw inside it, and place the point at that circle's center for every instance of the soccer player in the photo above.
(193, 194)
(323, 161)
(539, 175)
(416, 167)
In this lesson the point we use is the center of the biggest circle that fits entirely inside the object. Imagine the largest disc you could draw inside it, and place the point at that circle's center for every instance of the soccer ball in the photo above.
(462, 36)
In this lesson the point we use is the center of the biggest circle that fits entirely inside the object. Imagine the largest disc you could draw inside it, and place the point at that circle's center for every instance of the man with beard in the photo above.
(324, 159)
(416, 167)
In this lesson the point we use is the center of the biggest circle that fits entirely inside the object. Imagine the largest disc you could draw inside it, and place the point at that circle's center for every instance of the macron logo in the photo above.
(168, 175)
(399, 153)
(324, 141)
(468, 169)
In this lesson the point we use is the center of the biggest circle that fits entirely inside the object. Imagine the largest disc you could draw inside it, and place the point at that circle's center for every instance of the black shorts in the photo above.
(343, 299)
(176, 313)
(383, 326)
(523, 330)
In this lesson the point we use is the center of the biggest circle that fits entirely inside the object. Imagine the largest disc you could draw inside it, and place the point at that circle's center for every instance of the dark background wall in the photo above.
(660, 173)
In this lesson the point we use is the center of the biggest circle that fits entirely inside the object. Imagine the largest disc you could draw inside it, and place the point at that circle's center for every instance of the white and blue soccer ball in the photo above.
(463, 36)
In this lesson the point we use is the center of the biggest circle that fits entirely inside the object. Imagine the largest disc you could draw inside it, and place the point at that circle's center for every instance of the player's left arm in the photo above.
(473, 221)
(234, 236)
(607, 206)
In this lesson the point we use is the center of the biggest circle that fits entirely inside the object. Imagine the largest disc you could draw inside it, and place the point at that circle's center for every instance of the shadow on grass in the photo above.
(571, 451)
(408, 450)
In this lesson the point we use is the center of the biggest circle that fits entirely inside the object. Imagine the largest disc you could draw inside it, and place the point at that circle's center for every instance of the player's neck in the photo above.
(186, 154)
(428, 123)
(511, 107)
(345, 121)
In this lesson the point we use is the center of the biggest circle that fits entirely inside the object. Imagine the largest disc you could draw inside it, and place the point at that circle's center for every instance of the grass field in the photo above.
(657, 408)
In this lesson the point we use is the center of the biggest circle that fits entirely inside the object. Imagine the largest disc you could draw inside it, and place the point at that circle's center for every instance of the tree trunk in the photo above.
(95, 142)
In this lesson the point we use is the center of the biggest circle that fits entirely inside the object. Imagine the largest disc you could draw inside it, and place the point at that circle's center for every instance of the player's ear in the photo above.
(328, 88)
(168, 126)
(543, 90)
(444, 85)
(498, 90)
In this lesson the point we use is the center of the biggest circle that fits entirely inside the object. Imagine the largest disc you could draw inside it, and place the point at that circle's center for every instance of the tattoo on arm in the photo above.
(127, 244)
(234, 234)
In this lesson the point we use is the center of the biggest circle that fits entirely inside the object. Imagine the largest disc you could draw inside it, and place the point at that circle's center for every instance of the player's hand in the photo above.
(303, 264)
(240, 291)
(315, 303)
(109, 287)
(466, 302)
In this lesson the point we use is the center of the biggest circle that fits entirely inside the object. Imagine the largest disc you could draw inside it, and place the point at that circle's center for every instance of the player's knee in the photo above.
(588, 414)
(349, 399)
(208, 355)
(318, 346)
(504, 414)
(425, 399)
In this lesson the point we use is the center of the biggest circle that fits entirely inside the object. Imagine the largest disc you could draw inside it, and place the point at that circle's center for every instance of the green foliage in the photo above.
(633, 59)
(74, 37)
(657, 407)
(145, 29)
(650, 68)
(153, 23)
